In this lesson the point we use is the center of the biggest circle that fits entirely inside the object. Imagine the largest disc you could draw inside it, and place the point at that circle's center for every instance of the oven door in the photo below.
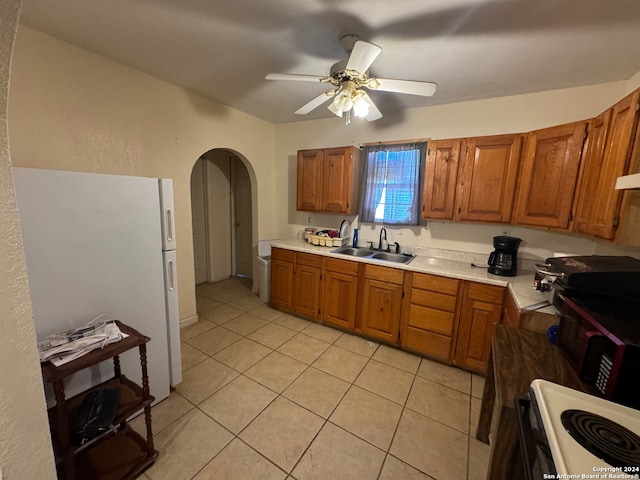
(534, 451)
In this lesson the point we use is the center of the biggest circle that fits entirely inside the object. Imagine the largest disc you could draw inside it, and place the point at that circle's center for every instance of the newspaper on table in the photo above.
(61, 348)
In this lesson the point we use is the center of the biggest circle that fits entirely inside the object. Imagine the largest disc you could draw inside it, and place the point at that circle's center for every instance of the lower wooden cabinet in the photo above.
(480, 310)
(429, 314)
(445, 318)
(510, 313)
(340, 293)
(380, 303)
(307, 286)
(282, 263)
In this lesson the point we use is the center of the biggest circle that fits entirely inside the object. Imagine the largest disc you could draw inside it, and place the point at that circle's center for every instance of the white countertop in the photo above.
(435, 262)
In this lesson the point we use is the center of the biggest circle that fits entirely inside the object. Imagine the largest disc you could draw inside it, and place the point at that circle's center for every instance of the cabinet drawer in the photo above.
(485, 293)
(384, 274)
(428, 343)
(434, 300)
(308, 259)
(341, 266)
(282, 254)
(431, 319)
(435, 283)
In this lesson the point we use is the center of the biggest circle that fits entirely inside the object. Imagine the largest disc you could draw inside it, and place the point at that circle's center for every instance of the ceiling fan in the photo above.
(349, 77)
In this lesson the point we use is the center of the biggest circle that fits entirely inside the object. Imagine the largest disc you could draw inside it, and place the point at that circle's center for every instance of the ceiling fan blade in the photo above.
(315, 103)
(362, 56)
(424, 89)
(294, 77)
(373, 113)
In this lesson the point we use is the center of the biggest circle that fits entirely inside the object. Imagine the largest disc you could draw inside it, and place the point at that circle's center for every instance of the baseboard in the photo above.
(189, 321)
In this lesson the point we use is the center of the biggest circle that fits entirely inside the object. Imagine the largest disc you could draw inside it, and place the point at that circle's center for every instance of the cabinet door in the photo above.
(281, 284)
(309, 197)
(380, 310)
(336, 180)
(440, 176)
(549, 175)
(479, 313)
(510, 312)
(487, 179)
(591, 165)
(307, 290)
(340, 295)
(614, 164)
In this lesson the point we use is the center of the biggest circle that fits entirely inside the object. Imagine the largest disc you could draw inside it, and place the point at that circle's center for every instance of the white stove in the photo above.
(562, 410)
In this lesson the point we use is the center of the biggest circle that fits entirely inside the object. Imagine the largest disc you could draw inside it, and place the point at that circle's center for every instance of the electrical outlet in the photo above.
(506, 232)
(308, 219)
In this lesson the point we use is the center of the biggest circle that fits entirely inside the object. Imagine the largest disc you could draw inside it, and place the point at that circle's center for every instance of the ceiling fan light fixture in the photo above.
(343, 101)
(334, 110)
(360, 105)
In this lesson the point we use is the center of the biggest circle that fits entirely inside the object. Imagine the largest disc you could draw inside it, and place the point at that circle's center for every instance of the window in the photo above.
(392, 178)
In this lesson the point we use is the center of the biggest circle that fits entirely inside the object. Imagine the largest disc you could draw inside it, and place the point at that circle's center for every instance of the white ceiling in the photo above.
(472, 49)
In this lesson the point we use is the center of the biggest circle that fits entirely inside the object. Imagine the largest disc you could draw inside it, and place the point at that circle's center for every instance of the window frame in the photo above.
(374, 171)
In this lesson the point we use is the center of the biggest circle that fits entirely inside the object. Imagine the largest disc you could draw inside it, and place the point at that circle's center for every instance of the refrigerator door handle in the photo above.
(172, 282)
(167, 217)
(169, 223)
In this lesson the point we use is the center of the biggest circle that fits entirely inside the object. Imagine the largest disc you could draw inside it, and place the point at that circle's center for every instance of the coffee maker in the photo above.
(504, 259)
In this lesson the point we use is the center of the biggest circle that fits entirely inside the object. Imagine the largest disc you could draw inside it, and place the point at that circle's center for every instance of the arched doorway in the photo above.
(222, 216)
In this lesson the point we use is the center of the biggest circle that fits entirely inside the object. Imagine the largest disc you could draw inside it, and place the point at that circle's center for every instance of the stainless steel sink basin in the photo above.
(373, 255)
(393, 257)
(354, 251)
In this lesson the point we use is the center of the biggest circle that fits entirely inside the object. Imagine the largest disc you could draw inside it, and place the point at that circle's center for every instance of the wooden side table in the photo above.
(517, 358)
(120, 453)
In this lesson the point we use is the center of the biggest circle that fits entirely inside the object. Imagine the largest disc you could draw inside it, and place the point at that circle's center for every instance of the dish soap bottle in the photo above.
(355, 237)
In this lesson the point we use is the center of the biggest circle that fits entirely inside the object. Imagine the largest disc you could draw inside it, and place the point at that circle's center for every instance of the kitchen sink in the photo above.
(373, 255)
(393, 257)
(354, 251)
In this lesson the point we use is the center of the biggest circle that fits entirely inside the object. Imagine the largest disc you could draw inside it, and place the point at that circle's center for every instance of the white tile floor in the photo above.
(267, 395)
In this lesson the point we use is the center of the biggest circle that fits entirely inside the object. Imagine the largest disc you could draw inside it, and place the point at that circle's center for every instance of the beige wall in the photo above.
(513, 114)
(71, 109)
(25, 444)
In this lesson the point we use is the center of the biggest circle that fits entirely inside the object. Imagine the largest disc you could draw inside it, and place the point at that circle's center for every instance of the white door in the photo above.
(199, 220)
(242, 215)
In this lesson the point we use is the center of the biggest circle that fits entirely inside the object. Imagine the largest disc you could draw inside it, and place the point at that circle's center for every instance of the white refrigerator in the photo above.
(103, 244)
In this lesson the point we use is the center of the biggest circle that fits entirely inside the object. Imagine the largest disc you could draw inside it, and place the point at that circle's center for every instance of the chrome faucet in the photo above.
(384, 246)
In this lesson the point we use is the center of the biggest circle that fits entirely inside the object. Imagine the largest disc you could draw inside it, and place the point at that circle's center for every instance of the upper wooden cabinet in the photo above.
(310, 180)
(549, 175)
(591, 163)
(328, 180)
(487, 178)
(607, 158)
(440, 176)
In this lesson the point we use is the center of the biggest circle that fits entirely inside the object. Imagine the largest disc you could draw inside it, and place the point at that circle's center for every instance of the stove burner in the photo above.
(604, 438)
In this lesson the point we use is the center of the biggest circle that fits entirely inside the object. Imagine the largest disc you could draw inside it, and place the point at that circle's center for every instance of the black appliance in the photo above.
(601, 340)
(608, 277)
(504, 259)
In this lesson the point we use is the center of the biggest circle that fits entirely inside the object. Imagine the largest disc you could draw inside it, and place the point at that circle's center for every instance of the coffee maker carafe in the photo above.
(504, 259)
